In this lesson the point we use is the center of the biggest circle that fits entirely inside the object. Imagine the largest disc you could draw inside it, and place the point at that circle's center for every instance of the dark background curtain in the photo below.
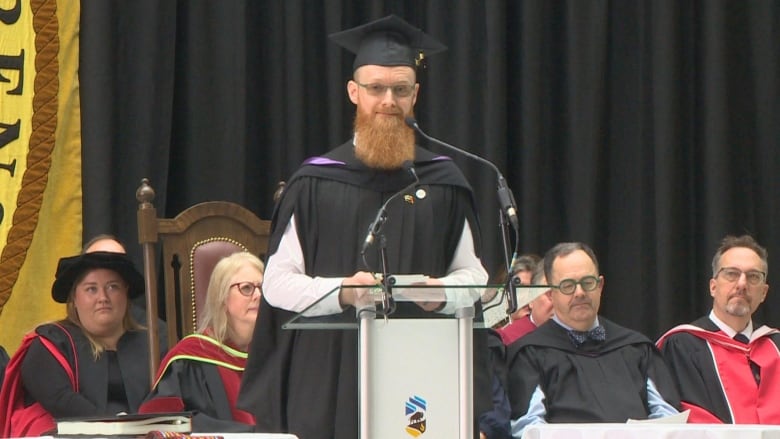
(647, 129)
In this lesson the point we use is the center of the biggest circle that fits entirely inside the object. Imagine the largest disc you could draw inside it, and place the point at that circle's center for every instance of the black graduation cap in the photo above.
(71, 268)
(389, 41)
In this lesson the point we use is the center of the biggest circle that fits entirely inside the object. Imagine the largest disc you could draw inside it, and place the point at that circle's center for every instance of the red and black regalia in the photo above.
(305, 381)
(54, 374)
(201, 375)
(516, 329)
(722, 380)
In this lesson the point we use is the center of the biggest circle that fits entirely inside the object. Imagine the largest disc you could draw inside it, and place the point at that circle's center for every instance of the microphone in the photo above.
(505, 197)
(381, 216)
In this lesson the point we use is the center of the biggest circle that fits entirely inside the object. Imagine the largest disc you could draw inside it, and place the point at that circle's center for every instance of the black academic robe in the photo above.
(201, 375)
(495, 423)
(715, 378)
(132, 359)
(597, 382)
(305, 381)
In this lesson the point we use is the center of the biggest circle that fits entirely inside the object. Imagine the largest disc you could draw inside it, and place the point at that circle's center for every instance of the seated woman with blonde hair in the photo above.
(93, 362)
(202, 372)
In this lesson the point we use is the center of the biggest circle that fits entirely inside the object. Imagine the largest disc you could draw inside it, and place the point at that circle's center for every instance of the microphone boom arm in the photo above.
(376, 226)
(506, 200)
(505, 197)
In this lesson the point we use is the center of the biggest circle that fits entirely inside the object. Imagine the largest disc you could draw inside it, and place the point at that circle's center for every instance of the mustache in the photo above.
(396, 114)
(741, 295)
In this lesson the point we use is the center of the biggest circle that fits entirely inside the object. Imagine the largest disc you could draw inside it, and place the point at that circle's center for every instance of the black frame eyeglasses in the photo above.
(398, 90)
(732, 274)
(247, 288)
(569, 286)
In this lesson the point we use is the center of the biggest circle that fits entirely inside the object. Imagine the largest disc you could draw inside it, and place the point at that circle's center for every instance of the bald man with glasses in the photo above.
(726, 367)
(579, 366)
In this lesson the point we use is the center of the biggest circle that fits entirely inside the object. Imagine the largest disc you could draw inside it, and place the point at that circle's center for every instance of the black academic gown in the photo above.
(692, 364)
(305, 381)
(132, 357)
(598, 382)
(496, 423)
(191, 381)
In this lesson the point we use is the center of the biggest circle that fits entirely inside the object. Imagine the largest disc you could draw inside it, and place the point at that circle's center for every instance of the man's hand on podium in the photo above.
(357, 296)
(435, 297)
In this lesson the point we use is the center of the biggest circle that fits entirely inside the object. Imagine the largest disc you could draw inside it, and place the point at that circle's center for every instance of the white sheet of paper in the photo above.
(409, 294)
(680, 418)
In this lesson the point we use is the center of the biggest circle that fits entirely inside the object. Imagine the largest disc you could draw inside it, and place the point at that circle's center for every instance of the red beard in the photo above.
(383, 142)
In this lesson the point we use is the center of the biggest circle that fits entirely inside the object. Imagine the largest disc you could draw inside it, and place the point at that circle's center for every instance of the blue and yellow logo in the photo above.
(415, 415)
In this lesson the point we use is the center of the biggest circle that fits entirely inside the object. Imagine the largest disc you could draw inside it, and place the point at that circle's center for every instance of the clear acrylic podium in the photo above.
(416, 367)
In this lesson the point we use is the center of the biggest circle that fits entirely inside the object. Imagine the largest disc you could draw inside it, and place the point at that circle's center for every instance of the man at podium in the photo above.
(305, 382)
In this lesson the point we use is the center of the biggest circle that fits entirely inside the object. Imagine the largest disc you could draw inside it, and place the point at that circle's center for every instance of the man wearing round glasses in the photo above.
(579, 366)
(726, 367)
(318, 242)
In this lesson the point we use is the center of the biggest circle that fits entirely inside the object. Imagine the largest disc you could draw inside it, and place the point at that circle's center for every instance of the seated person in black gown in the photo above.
(522, 273)
(202, 372)
(726, 363)
(93, 362)
(579, 366)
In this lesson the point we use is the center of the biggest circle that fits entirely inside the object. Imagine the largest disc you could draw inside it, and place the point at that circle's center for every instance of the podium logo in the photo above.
(415, 416)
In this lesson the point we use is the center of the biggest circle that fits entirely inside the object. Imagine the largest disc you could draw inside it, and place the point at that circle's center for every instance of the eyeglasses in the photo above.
(569, 286)
(399, 90)
(732, 274)
(248, 288)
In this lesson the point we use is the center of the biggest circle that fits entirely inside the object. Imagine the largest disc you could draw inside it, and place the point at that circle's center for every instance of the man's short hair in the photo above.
(101, 237)
(538, 274)
(564, 249)
(525, 262)
(746, 241)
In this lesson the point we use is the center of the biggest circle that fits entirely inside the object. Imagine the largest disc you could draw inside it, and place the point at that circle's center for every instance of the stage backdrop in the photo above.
(40, 158)
(648, 129)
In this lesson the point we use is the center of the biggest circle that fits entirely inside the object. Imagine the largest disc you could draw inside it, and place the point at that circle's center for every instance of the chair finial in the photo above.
(144, 193)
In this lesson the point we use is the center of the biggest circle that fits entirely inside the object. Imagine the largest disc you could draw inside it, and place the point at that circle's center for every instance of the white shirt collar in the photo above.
(748, 331)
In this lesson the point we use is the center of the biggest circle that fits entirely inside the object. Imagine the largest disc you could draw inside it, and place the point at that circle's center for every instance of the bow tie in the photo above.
(596, 334)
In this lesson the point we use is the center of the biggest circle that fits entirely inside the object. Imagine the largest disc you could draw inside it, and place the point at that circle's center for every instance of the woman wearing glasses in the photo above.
(203, 371)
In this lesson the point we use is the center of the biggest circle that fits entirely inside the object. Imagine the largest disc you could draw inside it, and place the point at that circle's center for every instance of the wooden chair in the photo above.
(192, 244)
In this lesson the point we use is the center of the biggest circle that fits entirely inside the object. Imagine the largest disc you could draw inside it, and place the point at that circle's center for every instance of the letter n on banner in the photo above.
(40, 158)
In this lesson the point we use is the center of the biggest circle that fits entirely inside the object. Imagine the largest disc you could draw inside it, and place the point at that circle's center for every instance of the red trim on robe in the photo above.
(749, 403)
(699, 415)
(16, 420)
(162, 404)
(194, 346)
(232, 380)
(516, 329)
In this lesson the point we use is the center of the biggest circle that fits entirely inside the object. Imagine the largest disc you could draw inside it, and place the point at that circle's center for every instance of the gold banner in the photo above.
(40, 158)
